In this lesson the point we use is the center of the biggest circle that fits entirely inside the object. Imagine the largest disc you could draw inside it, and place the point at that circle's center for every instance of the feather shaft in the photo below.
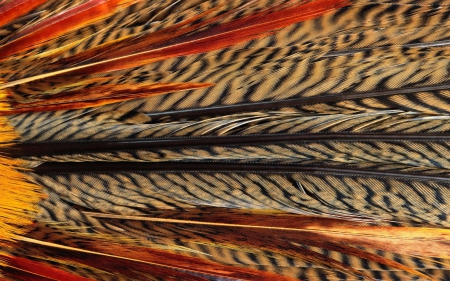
(254, 106)
(42, 148)
(56, 168)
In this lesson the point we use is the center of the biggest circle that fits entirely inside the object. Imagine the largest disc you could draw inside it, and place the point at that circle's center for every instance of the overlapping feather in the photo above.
(312, 143)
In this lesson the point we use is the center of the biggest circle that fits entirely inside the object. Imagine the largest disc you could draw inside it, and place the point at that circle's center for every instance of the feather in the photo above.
(224, 140)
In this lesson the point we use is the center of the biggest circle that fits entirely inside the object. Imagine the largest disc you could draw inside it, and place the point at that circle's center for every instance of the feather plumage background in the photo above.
(224, 140)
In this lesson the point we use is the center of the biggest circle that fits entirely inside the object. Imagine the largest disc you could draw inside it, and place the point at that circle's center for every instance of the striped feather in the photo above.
(225, 140)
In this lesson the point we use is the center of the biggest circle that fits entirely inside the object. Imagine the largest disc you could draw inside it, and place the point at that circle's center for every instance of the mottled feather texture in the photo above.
(225, 140)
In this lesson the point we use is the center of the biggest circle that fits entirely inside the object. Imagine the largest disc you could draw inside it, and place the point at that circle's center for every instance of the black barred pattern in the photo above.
(83, 125)
(294, 79)
(365, 196)
(429, 102)
(130, 23)
(420, 154)
(297, 76)
(259, 259)
(359, 71)
(345, 116)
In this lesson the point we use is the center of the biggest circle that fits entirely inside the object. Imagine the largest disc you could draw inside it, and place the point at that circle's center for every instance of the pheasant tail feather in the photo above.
(224, 140)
